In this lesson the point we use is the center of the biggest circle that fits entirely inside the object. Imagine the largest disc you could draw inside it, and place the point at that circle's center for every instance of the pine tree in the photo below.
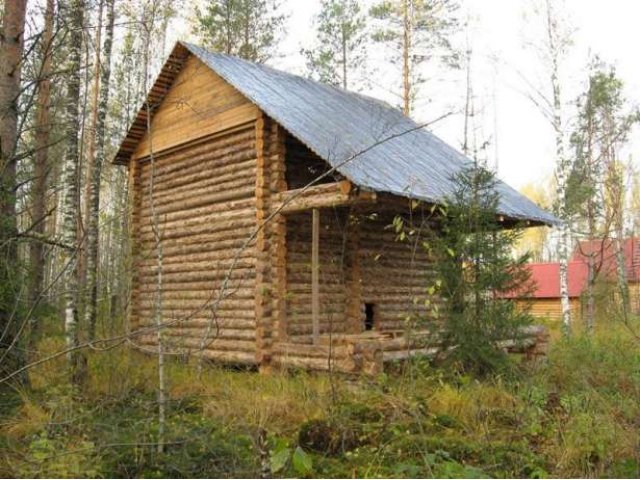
(11, 51)
(250, 29)
(596, 186)
(341, 37)
(41, 157)
(417, 31)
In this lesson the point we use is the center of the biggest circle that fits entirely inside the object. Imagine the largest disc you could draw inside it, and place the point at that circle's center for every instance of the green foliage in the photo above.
(604, 123)
(340, 42)
(250, 29)
(475, 269)
(429, 25)
(574, 415)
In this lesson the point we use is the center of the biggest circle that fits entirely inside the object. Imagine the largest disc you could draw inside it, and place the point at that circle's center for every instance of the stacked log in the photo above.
(395, 274)
(205, 202)
(332, 279)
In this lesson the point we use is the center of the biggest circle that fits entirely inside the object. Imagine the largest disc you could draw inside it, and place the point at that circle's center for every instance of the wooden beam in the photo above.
(315, 270)
(328, 195)
(263, 259)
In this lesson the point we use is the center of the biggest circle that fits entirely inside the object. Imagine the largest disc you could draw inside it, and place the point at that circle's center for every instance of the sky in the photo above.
(520, 140)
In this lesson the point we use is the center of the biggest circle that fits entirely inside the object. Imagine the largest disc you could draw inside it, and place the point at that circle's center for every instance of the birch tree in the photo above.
(96, 161)
(596, 187)
(552, 49)
(340, 49)
(416, 31)
(73, 11)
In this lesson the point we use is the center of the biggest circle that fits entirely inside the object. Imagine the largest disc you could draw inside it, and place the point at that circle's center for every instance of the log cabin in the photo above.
(269, 197)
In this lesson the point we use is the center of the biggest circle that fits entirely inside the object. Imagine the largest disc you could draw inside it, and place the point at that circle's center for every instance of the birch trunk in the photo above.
(616, 196)
(74, 11)
(562, 170)
(90, 144)
(96, 162)
(42, 136)
(621, 271)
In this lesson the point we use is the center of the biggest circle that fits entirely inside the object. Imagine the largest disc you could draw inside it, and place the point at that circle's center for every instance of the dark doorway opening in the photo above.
(369, 316)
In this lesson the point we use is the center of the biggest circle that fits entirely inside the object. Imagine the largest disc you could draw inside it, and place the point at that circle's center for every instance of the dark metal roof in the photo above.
(337, 124)
(371, 143)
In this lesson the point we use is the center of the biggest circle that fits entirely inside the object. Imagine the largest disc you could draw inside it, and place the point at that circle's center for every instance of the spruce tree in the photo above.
(475, 269)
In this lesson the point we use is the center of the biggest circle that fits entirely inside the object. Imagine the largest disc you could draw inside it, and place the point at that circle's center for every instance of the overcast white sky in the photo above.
(520, 138)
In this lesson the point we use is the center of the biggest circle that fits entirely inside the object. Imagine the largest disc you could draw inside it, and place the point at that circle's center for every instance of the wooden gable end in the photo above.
(199, 103)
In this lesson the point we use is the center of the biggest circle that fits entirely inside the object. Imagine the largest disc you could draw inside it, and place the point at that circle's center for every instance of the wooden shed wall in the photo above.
(332, 275)
(204, 149)
(393, 273)
(360, 262)
(549, 307)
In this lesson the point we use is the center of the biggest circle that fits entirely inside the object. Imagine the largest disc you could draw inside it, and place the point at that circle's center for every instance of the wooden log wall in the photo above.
(203, 222)
(394, 275)
(270, 240)
(204, 195)
(332, 274)
(303, 165)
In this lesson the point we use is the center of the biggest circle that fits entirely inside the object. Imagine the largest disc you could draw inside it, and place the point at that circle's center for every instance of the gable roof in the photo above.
(605, 256)
(369, 142)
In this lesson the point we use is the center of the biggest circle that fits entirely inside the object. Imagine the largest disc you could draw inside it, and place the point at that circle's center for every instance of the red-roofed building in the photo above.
(544, 299)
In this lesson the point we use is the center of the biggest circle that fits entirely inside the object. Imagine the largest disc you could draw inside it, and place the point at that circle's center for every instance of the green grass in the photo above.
(574, 415)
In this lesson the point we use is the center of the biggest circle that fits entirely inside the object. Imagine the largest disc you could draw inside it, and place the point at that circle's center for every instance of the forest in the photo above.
(82, 395)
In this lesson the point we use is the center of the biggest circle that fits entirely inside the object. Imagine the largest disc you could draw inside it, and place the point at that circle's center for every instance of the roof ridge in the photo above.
(264, 66)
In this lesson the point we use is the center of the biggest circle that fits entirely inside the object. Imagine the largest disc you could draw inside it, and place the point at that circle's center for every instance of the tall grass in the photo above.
(574, 415)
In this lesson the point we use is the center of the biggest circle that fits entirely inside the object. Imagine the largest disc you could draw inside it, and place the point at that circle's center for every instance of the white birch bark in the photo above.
(555, 47)
(74, 12)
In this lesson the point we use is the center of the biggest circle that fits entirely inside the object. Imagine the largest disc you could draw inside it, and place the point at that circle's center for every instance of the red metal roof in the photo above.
(545, 279)
(605, 258)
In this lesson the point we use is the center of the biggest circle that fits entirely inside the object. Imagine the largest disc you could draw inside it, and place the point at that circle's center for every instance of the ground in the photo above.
(574, 415)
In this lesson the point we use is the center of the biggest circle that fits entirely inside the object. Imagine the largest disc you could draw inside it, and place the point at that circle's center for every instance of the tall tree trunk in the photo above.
(91, 147)
(345, 83)
(562, 172)
(11, 50)
(41, 167)
(148, 23)
(617, 199)
(406, 57)
(96, 164)
(74, 12)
